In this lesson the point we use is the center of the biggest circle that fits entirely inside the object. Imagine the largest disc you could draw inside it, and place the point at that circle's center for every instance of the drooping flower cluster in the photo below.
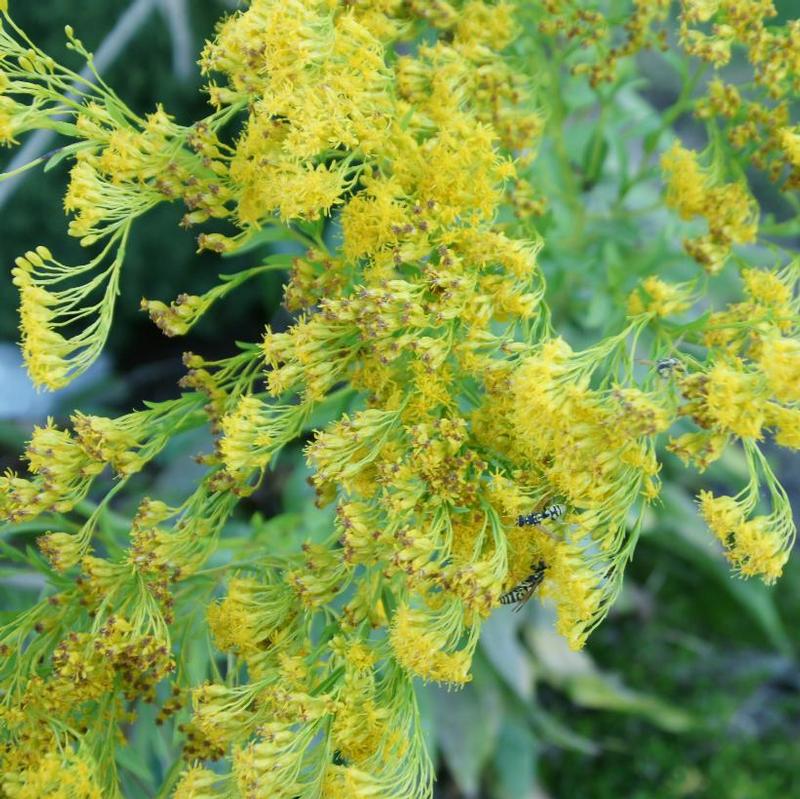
(381, 135)
(731, 214)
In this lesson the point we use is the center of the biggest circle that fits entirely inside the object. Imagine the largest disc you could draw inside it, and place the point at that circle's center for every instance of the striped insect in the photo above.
(553, 512)
(521, 593)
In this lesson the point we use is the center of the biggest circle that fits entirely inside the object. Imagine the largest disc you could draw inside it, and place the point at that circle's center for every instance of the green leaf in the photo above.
(557, 733)
(514, 761)
(131, 761)
(64, 152)
(501, 646)
(467, 724)
(594, 157)
(427, 719)
(576, 674)
(606, 692)
(41, 525)
(64, 128)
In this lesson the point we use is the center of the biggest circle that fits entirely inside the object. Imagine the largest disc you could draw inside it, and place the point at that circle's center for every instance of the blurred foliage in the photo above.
(690, 689)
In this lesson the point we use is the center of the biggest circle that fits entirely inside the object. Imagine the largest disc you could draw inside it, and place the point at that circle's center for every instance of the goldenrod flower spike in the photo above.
(729, 210)
(437, 401)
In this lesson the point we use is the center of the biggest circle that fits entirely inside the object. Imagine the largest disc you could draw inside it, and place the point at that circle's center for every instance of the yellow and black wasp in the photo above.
(521, 593)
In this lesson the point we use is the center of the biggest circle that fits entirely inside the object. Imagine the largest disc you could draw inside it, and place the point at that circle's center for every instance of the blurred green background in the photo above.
(692, 686)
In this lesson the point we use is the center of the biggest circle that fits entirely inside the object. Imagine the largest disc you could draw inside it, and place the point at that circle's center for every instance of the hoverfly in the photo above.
(553, 512)
(521, 593)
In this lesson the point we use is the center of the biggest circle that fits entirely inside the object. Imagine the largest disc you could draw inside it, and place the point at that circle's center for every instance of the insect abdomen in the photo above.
(553, 512)
(523, 592)
(514, 595)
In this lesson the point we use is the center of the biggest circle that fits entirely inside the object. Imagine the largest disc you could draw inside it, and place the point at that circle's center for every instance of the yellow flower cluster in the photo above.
(383, 136)
(124, 166)
(755, 115)
(759, 545)
(658, 298)
(753, 384)
(731, 214)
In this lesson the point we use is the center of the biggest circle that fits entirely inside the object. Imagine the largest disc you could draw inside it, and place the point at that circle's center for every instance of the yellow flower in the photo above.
(659, 298)
(768, 288)
(758, 546)
(722, 514)
(786, 422)
(197, 783)
(427, 649)
(758, 549)
(576, 589)
(790, 142)
(734, 399)
(700, 449)
(687, 184)
(779, 360)
(730, 211)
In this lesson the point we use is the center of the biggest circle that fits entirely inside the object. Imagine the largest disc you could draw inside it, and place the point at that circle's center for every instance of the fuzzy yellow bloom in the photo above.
(375, 219)
(659, 298)
(425, 651)
(758, 549)
(57, 774)
(576, 589)
(360, 721)
(349, 782)
(722, 514)
(786, 422)
(46, 351)
(790, 141)
(735, 400)
(687, 184)
(246, 441)
(768, 288)
(460, 450)
(779, 360)
(700, 449)
(731, 214)
(197, 783)
(758, 546)
(273, 764)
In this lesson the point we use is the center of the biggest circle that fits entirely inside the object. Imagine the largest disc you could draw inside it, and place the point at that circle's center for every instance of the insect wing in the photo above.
(522, 600)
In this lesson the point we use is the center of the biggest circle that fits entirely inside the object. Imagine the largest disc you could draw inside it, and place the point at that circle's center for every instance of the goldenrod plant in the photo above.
(461, 441)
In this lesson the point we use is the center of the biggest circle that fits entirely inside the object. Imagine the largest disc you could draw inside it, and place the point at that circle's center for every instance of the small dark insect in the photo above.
(553, 512)
(521, 593)
(666, 367)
